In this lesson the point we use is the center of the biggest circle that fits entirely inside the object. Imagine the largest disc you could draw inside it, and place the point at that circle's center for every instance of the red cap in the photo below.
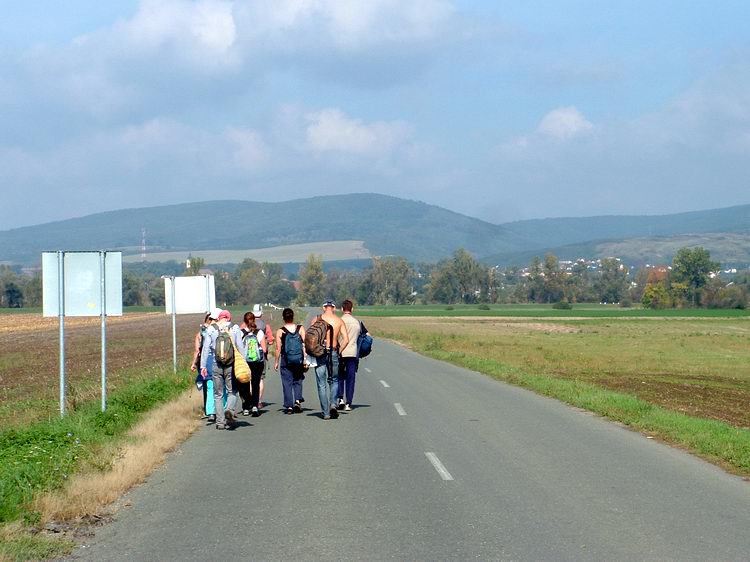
(224, 314)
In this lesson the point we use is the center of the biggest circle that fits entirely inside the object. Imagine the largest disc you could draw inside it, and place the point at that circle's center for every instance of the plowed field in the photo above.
(29, 359)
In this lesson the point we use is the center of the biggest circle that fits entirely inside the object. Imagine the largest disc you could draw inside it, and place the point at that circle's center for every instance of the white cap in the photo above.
(257, 311)
(215, 313)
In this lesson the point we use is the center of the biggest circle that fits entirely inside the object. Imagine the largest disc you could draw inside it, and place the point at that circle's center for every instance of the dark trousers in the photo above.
(245, 394)
(256, 372)
(347, 374)
(291, 385)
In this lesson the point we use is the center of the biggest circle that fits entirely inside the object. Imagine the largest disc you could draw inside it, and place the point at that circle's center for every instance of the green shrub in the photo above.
(562, 305)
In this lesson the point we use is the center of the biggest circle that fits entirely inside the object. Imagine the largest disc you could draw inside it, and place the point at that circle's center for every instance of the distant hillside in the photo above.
(547, 233)
(386, 225)
(730, 249)
(355, 226)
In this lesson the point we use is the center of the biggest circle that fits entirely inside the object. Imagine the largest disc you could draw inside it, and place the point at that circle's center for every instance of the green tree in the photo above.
(312, 281)
(12, 295)
(612, 283)
(553, 281)
(132, 290)
(656, 295)
(692, 267)
(194, 265)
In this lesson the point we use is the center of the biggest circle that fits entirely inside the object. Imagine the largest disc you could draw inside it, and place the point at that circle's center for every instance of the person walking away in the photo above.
(252, 346)
(206, 384)
(326, 352)
(270, 340)
(290, 357)
(218, 345)
(349, 360)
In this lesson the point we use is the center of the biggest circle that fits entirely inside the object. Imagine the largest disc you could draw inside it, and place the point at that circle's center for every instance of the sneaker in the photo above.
(256, 413)
(229, 414)
(212, 418)
(341, 403)
(301, 400)
(334, 413)
(220, 426)
(289, 411)
(298, 407)
(326, 417)
(245, 412)
(347, 407)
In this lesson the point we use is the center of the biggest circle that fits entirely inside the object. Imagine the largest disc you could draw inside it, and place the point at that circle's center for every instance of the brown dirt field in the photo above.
(29, 364)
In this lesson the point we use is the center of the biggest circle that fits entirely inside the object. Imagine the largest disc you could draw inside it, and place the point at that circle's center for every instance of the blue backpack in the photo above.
(293, 354)
(364, 342)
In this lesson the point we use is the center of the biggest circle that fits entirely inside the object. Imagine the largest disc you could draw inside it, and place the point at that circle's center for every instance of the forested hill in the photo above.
(387, 225)
(548, 233)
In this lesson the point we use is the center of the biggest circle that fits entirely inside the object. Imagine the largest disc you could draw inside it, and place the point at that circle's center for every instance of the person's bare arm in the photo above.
(197, 350)
(277, 351)
(344, 335)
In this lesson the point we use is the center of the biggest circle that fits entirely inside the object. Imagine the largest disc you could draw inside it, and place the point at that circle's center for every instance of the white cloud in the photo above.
(332, 130)
(564, 123)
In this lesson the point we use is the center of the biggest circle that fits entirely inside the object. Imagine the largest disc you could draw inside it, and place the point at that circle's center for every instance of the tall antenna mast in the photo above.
(143, 243)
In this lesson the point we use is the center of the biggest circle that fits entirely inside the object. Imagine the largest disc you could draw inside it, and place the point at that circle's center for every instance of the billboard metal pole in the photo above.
(174, 328)
(61, 315)
(102, 259)
(208, 295)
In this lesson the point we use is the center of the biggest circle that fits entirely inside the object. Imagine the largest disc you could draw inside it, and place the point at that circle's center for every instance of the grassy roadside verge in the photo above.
(718, 442)
(43, 457)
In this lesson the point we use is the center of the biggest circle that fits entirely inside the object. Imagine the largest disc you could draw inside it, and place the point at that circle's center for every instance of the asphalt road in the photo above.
(434, 463)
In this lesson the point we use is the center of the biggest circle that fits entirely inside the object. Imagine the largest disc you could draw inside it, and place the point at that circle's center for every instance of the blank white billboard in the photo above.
(192, 294)
(82, 282)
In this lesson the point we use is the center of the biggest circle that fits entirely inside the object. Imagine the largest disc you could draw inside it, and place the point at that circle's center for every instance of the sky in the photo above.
(502, 110)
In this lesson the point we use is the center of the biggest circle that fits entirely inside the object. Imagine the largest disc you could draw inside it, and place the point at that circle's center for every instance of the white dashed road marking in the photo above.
(399, 409)
(385, 384)
(368, 370)
(441, 470)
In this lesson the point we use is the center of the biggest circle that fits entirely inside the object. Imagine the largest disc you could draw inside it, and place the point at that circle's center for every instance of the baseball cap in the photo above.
(257, 311)
(215, 313)
(224, 314)
(329, 303)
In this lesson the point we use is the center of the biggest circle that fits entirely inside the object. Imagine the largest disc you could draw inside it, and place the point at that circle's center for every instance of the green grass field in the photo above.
(545, 311)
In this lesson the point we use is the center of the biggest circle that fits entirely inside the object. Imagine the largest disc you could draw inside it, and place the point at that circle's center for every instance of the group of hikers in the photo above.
(230, 360)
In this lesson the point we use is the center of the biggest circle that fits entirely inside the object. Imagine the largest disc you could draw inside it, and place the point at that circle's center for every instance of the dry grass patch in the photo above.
(159, 432)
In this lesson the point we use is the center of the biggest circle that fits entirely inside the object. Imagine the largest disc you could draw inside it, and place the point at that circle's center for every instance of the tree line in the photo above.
(689, 281)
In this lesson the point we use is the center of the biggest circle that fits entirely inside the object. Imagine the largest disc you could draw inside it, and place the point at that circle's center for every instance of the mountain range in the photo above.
(377, 225)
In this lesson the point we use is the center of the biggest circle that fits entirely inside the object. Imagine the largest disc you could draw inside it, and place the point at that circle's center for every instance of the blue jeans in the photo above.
(328, 381)
(222, 377)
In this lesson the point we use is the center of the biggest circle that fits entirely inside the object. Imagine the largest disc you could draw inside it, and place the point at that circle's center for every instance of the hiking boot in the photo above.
(220, 426)
(245, 412)
(255, 412)
(298, 407)
(347, 407)
(334, 413)
(341, 403)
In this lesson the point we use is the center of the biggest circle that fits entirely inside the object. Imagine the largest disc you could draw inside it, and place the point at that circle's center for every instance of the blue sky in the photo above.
(502, 110)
